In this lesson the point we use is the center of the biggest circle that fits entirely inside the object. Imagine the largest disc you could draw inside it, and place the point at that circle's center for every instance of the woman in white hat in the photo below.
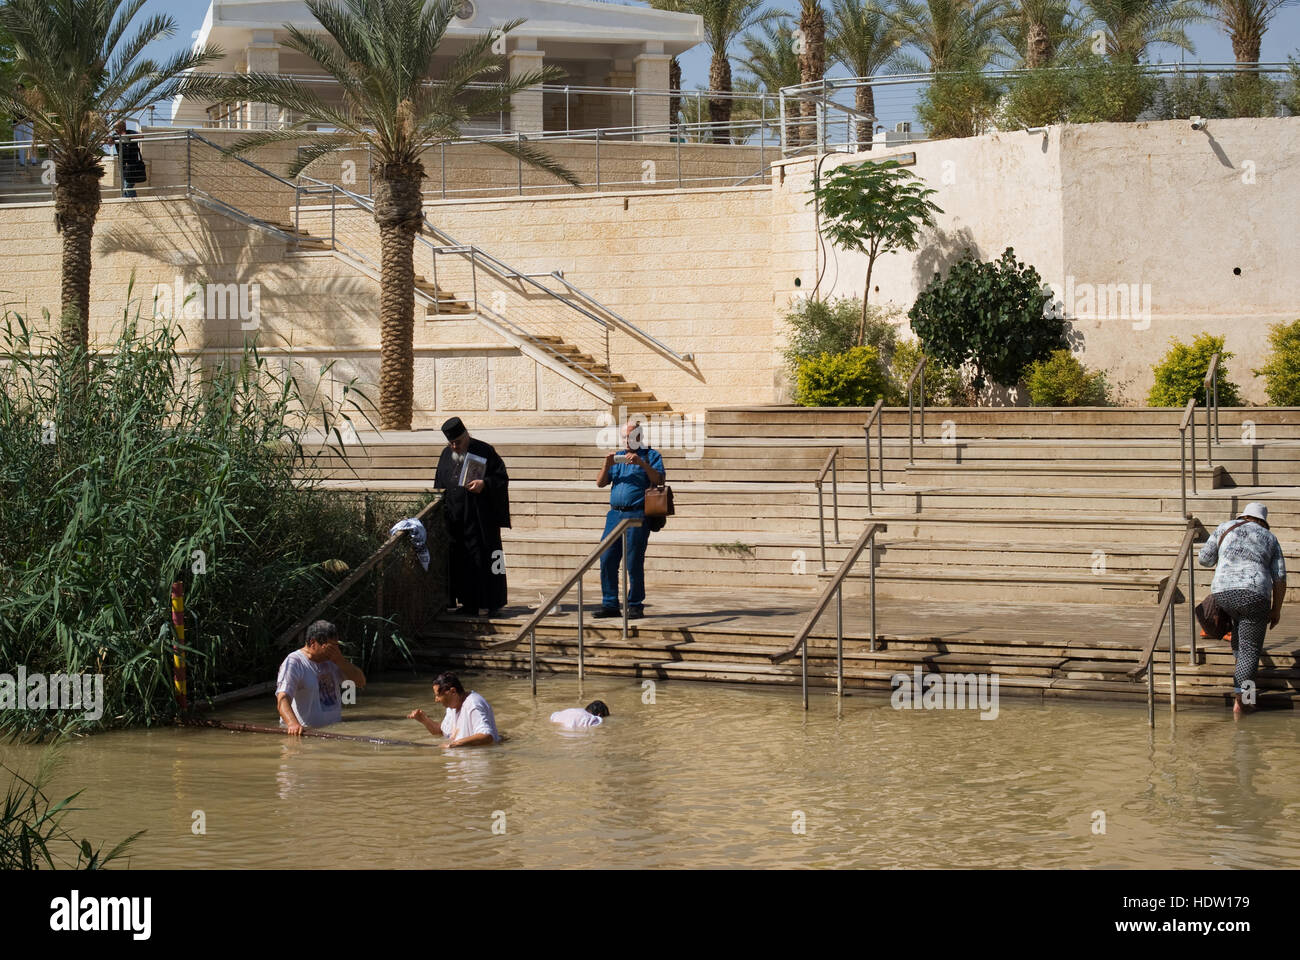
(1249, 585)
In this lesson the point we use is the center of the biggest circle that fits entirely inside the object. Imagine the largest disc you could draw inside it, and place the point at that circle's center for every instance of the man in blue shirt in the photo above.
(631, 471)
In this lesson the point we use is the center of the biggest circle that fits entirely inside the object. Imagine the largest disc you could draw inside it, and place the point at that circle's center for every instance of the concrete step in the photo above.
(1053, 475)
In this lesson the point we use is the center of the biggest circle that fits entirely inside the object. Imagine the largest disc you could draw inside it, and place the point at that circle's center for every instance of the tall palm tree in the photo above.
(380, 53)
(1041, 33)
(948, 34)
(862, 38)
(83, 68)
(1130, 26)
(1246, 22)
(772, 60)
(812, 61)
(724, 22)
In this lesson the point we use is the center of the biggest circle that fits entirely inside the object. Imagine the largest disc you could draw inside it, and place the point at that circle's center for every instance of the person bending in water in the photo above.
(307, 688)
(468, 721)
(575, 718)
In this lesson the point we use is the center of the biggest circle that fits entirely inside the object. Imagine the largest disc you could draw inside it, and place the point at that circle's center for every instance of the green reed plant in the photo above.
(160, 471)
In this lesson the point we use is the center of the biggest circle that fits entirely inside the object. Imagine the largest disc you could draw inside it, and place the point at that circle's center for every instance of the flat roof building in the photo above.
(600, 46)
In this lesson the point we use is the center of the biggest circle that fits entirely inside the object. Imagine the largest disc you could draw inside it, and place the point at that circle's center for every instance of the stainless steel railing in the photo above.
(836, 588)
(529, 629)
(1165, 614)
(879, 421)
(829, 464)
(917, 371)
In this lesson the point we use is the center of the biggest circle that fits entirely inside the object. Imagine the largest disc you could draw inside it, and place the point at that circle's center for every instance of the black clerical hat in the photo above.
(453, 428)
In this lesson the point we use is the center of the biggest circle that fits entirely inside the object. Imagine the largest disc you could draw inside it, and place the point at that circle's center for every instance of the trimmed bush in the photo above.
(831, 326)
(989, 314)
(1062, 381)
(854, 378)
(1180, 375)
(1281, 370)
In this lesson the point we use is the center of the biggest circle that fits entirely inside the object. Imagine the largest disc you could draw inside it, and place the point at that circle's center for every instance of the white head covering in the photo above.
(1256, 510)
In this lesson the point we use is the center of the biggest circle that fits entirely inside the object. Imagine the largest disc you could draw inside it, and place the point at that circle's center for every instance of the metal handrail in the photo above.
(1189, 420)
(627, 325)
(917, 371)
(831, 458)
(530, 627)
(879, 421)
(1211, 403)
(1164, 612)
(836, 585)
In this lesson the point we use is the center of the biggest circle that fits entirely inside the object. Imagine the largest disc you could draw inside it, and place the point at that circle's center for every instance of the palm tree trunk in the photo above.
(76, 205)
(812, 63)
(675, 85)
(398, 213)
(1038, 48)
(1245, 48)
(864, 101)
(720, 108)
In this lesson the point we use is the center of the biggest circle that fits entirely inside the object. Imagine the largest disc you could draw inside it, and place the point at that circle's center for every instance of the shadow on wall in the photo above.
(226, 288)
(942, 250)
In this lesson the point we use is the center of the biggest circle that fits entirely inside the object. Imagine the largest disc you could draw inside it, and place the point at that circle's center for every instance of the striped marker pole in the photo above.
(178, 633)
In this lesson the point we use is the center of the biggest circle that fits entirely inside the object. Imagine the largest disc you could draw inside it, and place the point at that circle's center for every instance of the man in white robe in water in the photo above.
(468, 721)
(308, 689)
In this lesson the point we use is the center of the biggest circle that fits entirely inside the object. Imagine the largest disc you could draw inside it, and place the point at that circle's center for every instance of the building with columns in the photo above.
(615, 59)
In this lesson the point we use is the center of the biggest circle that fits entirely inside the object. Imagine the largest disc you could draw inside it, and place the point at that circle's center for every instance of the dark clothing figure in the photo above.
(474, 522)
(131, 162)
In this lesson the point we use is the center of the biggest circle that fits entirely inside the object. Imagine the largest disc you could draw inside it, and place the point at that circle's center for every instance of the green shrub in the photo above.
(944, 385)
(1037, 98)
(1249, 95)
(1281, 370)
(1180, 374)
(958, 105)
(989, 314)
(831, 326)
(1108, 92)
(854, 378)
(1062, 381)
(1188, 95)
(1291, 98)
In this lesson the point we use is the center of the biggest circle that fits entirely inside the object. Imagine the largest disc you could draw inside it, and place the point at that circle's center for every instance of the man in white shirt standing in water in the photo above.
(468, 721)
(578, 718)
(308, 689)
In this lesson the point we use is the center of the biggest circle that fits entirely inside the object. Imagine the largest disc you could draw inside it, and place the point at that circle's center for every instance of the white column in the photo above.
(262, 56)
(652, 108)
(526, 106)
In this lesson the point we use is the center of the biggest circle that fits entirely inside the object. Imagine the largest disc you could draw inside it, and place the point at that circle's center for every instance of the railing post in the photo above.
(880, 447)
(598, 160)
(804, 664)
(911, 456)
(1192, 431)
(1209, 451)
(1151, 694)
(334, 206)
(189, 169)
(520, 145)
(532, 658)
(839, 641)
(762, 134)
(871, 573)
(1173, 658)
(922, 398)
(821, 522)
(443, 145)
(835, 496)
(866, 431)
(678, 138)
(625, 588)
(1191, 601)
(1217, 438)
(1182, 466)
(581, 663)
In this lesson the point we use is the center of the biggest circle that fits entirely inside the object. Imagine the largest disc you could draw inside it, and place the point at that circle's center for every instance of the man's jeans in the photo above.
(637, 537)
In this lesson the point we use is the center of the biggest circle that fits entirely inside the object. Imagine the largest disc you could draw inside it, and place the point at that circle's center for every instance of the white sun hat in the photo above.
(1256, 510)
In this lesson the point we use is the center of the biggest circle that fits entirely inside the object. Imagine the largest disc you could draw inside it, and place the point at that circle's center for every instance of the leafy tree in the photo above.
(1130, 26)
(948, 34)
(861, 36)
(1044, 32)
(84, 69)
(960, 104)
(724, 23)
(990, 315)
(1292, 98)
(1180, 374)
(772, 61)
(1281, 370)
(874, 208)
(380, 54)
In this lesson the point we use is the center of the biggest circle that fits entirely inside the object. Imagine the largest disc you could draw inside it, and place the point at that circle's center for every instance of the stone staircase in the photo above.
(1037, 533)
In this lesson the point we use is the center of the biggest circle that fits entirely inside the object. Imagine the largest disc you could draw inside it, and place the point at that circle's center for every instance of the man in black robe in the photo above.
(475, 514)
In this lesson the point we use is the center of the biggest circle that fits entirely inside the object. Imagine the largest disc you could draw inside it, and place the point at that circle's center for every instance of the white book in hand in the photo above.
(472, 468)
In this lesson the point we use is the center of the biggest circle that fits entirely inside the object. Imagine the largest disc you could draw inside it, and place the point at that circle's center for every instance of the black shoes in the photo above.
(604, 613)
(635, 613)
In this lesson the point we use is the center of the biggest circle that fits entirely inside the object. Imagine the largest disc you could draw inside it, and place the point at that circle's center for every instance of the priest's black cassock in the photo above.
(474, 522)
